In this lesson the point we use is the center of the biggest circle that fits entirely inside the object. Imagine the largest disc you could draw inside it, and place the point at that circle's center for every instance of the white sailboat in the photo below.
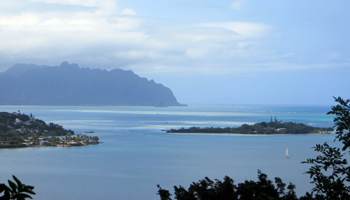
(287, 154)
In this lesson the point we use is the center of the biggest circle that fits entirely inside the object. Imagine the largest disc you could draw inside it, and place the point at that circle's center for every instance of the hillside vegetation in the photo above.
(273, 127)
(20, 130)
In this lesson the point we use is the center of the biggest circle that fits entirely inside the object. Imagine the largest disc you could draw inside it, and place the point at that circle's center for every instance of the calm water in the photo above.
(136, 155)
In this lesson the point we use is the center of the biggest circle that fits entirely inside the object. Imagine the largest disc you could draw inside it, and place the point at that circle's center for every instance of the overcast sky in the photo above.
(207, 52)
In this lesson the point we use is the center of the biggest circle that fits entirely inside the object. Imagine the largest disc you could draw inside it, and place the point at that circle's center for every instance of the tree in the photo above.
(330, 171)
(207, 189)
(18, 190)
(164, 194)
(95, 138)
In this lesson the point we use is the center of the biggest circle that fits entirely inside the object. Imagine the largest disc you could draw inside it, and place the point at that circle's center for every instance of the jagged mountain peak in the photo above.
(65, 64)
(68, 84)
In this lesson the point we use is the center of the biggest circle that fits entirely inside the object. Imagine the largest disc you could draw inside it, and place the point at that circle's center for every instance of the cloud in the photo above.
(88, 3)
(87, 35)
(31, 32)
(237, 4)
(242, 29)
(101, 33)
(104, 7)
(128, 11)
(120, 39)
(26, 19)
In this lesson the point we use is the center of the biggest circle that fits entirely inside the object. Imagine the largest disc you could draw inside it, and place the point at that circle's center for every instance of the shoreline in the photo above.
(40, 146)
(243, 134)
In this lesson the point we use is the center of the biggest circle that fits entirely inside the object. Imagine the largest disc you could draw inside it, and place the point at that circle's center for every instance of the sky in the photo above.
(207, 52)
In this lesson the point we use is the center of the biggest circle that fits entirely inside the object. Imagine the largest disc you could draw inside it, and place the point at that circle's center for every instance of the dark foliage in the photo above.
(207, 189)
(16, 190)
(273, 127)
(330, 171)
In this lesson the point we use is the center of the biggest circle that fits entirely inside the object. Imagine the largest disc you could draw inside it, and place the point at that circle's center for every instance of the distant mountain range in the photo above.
(68, 84)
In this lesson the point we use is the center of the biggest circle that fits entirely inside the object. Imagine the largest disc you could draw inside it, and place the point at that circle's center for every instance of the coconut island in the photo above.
(267, 128)
(20, 130)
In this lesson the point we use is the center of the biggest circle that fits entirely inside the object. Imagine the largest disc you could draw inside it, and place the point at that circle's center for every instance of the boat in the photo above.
(287, 154)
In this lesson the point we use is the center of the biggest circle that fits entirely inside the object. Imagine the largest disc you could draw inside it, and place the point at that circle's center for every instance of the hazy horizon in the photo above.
(238, 52)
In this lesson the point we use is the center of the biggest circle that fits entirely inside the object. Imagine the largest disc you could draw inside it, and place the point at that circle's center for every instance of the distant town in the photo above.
(21, 130)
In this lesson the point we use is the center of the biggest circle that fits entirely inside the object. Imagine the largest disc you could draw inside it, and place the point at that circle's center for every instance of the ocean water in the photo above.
(136, 155)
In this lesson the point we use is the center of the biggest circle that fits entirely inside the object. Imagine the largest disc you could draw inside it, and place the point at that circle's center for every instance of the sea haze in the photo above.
(136, 155)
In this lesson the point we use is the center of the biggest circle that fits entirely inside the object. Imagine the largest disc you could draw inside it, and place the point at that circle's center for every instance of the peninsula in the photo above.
(20, 130)
(273, 127)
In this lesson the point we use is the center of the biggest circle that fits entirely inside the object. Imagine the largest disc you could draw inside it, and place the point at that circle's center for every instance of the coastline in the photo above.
(41, 146)
(242, 134)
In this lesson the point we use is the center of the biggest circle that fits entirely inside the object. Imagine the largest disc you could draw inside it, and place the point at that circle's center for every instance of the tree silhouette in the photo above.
(330, 171)
(17, 190)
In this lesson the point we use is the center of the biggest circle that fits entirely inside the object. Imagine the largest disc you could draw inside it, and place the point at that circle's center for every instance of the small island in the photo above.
(273, 127)
(20, 130)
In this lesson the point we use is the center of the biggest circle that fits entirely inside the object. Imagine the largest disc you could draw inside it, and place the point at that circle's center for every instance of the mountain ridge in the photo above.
(68, 84)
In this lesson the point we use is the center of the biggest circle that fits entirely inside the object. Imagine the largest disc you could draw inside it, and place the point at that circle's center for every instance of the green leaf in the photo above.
(21, 196)
(29, 187)
(20, 186)
(28, 190)
(13, 186)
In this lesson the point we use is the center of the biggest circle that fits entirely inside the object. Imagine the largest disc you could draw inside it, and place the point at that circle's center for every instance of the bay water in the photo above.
(136, 155)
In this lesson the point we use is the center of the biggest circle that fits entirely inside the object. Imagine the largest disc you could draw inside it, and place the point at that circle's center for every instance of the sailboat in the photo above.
(287, 154)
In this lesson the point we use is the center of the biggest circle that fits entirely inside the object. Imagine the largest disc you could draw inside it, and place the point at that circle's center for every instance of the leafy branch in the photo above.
(16, 190)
